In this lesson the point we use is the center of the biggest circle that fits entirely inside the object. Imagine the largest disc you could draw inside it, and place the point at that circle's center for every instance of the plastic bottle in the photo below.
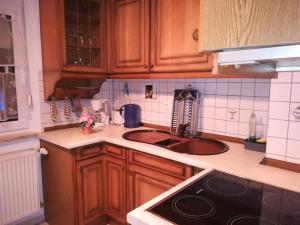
(252, 127)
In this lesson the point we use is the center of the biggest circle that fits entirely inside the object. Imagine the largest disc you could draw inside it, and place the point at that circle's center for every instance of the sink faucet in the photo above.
(181, 129)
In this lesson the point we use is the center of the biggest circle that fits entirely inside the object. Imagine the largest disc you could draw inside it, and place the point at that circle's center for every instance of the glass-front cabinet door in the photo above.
(85, 31)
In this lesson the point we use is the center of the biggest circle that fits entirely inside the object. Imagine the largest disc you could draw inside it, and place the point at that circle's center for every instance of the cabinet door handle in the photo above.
(151, 66)
(196, 34)
(145, 66)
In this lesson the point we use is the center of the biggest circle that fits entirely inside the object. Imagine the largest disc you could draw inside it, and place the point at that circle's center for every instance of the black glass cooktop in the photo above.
(223, 199)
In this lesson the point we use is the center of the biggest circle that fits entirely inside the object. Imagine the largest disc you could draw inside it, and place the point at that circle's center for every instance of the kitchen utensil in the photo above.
(185, 111)
(132, 115)
(76, 106)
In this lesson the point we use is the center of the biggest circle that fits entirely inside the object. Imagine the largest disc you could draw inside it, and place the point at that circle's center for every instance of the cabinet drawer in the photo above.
(160, 164)
(89, 151)
(115, 150)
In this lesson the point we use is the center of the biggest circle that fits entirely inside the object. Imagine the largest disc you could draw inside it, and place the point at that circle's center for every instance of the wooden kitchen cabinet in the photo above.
(128, 26)
(73, 38)
(150, 176)
(145, 184)
(115, 177)
(172, 28)
(174, 37)
(73, 185)
(90, 189)
(238, 24)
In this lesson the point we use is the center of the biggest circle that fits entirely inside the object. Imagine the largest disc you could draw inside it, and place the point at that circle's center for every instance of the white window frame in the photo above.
(15, 9)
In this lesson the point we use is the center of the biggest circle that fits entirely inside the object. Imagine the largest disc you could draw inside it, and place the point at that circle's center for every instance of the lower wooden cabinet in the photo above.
(115, 181)
(84, 186)
(90, 189)
(145, 184)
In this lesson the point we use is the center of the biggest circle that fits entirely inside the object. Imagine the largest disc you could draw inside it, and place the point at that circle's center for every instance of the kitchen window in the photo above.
(14, 82)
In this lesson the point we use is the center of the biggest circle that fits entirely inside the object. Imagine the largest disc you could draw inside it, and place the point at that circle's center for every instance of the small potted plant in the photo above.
(86, 123)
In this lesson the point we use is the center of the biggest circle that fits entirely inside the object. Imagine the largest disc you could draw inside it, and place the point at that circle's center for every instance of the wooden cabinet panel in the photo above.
(129, 35)
(145, 184)
(90, 189)
(115, 176)
(174, 36)
(115, 150)
(160, 164)
(236, 24)
(89, 151)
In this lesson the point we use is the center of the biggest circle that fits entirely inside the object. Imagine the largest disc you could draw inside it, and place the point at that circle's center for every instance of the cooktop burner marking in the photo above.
(185, 206)
(276, 200)
(197, 192)
(226, 186)
(249, 220)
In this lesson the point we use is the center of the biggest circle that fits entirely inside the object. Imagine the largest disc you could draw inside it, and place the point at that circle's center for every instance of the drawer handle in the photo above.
(196, 35)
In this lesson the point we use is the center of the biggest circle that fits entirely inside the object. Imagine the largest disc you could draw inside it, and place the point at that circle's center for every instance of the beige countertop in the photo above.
(236, 161)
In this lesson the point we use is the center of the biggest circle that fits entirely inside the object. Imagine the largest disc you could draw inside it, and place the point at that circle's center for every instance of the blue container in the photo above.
(132, 115)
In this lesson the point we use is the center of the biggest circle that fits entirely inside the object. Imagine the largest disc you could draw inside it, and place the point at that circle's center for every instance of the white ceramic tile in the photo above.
(209, 100)
(283, 77)
(247, 102)
(277, 128)
(220, 113)
(221, 101)
(276, 146)
(234, 80)
(222, 80)
(278, 157)
(200, 87)
(210, 88)
(261, 104)
(294, 112)
(210, 80)
(259, 80)
(245, 115)
(292, 160)
(232, 127)
(234, 88)
(208, 124)
(296, 77)
(280, 92)
(248, 80)
(293, 149)
(295, 95)
(233, 102)
(279, 110)
(248, 89)
(261, 117)
(244, 129)
(262, 89)
(233, 114)
(294, 130)
(208, 112)
(222, 88)
(220, 125)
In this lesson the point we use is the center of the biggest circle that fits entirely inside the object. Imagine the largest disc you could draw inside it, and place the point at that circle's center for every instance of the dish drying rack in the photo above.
(186, 106)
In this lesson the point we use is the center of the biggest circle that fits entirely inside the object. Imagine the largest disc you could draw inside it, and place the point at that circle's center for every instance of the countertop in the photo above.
(236, 161)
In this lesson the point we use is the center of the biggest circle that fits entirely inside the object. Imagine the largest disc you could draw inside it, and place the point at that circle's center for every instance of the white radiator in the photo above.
(19, 185)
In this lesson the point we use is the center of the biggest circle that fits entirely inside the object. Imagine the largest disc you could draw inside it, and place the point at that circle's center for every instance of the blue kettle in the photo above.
(132, 115)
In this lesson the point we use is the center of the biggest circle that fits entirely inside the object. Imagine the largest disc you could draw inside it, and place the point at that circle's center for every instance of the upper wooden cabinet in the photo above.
(174, 36)
(128, 24)
(239, 23)
(172, 28)
(73, 37)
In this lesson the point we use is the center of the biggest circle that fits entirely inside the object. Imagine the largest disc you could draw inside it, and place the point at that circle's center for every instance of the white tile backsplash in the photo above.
(272, 101)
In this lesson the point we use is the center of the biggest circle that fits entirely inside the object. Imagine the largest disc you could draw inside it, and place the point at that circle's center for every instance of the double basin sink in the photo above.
(195, 146)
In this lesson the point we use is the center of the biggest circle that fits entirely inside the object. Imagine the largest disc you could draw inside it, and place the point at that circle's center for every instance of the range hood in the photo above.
(280, 58)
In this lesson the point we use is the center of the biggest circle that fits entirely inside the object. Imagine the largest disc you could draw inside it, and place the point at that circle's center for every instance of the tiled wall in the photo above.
(226, 104)
(284, 127)
(105, 93)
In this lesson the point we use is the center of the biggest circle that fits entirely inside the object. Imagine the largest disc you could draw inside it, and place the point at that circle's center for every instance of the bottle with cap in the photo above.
(252, 127)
